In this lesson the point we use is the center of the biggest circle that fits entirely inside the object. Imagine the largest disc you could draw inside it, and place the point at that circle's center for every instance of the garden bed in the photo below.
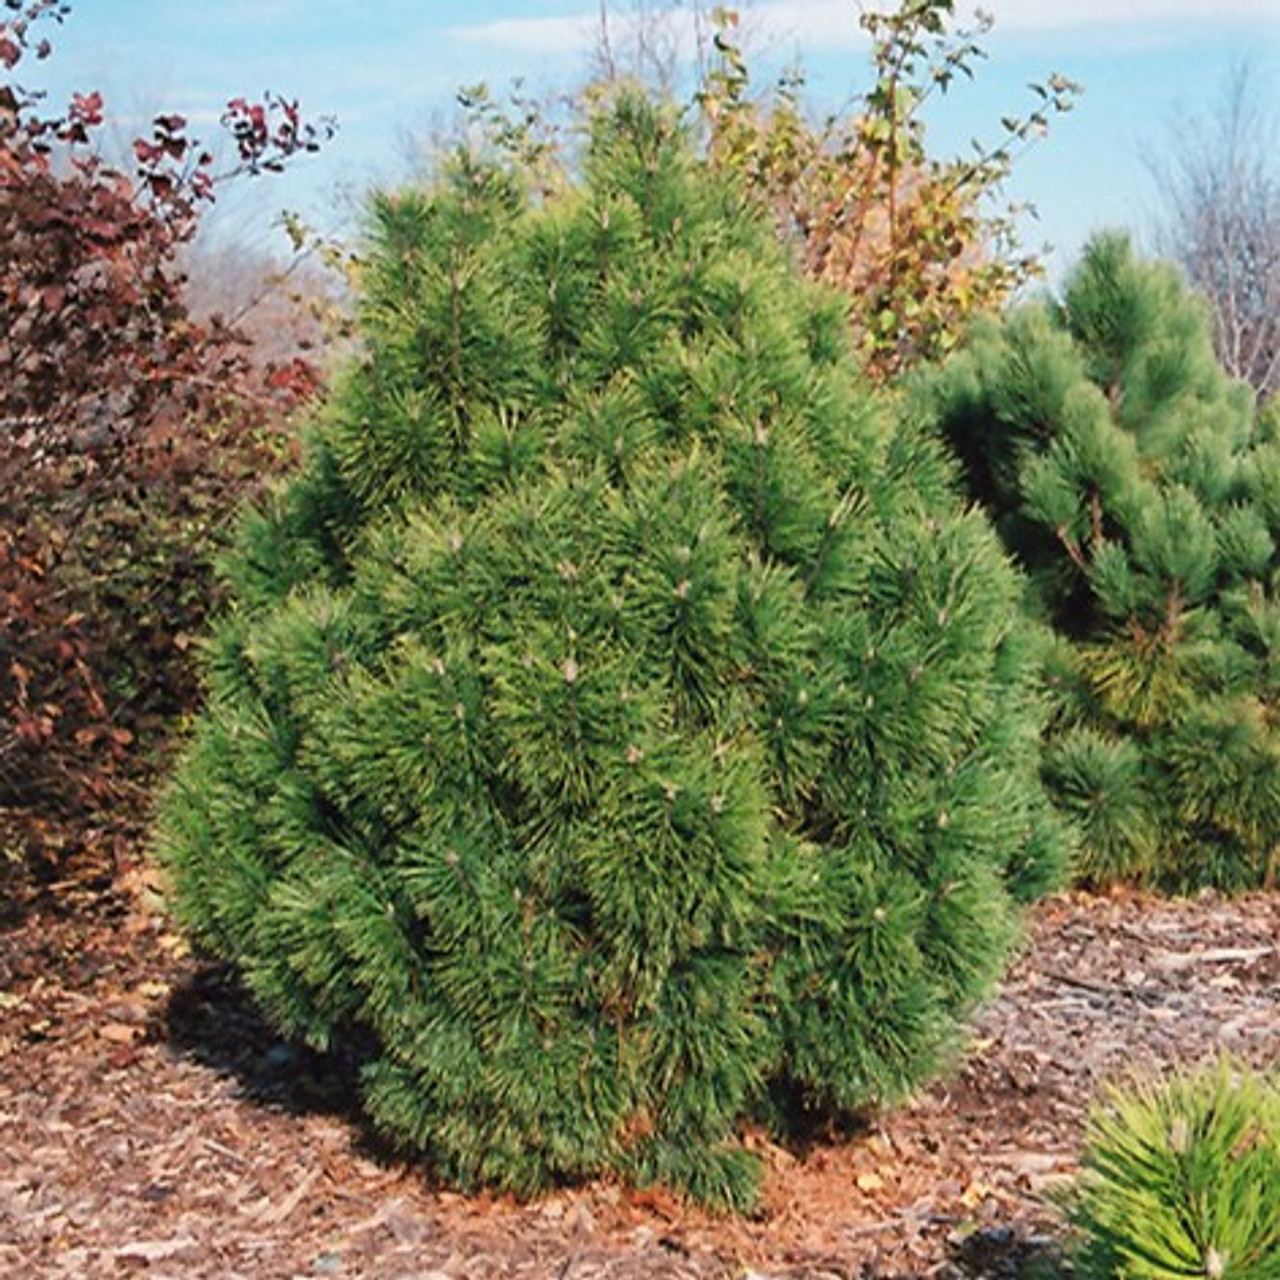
(150, 1122)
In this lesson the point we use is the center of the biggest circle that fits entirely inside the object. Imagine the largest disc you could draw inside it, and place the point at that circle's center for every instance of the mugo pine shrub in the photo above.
(1140, 488)
(1181, 1177)
(616, 727)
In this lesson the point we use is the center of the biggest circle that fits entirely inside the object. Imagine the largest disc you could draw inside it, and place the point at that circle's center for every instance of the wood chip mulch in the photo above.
(151, 1124)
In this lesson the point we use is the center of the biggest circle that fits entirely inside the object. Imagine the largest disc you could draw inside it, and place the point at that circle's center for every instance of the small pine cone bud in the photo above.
(570, 670)
(683, 587)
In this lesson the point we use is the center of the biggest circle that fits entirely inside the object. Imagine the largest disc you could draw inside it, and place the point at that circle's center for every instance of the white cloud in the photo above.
(1047, 15)
(833, 24)
(576, 34)
(532, 35)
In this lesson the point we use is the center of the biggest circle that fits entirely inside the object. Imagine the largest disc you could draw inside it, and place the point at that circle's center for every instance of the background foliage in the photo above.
(916, 241)
(1138, 485)
(127, 431)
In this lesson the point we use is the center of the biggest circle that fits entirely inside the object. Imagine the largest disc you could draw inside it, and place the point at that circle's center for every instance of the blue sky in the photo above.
(389, 69)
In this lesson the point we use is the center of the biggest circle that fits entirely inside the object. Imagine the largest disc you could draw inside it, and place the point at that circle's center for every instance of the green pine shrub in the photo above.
(1140, 488)
(1182, 1178)
(618, 724)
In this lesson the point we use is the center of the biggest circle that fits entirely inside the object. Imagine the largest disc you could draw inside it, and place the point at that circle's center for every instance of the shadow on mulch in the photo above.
(211, 1019)
(1005, 1253)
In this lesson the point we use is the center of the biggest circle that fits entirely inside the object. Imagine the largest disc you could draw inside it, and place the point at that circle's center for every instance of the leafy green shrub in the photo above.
(618, 725)
(1140, 488)
(912, 238)
(1182, 1178)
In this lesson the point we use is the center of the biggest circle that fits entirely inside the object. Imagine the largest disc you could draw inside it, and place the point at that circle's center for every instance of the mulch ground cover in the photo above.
(150, 1123)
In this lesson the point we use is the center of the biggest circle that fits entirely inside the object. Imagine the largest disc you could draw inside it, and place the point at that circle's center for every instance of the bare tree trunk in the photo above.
(604, 46)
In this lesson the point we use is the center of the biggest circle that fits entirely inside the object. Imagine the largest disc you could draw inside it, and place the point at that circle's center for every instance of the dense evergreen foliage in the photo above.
(619, 727)
(1140, 487)
(1181, 1177)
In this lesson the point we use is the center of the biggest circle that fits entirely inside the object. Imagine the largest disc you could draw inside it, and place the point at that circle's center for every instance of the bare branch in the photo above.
(1221, 189)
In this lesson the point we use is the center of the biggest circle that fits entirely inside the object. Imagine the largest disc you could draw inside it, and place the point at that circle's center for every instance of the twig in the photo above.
(1215, 955)
(221, 1150)
(1097, 988)
(272, 1217)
